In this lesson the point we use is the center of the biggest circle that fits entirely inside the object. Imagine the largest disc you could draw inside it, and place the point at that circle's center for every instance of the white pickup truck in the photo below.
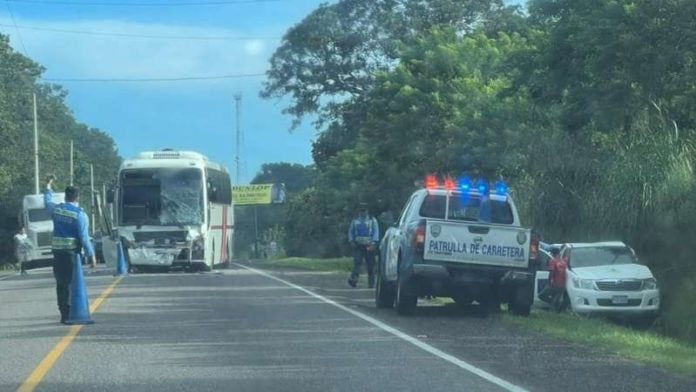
(461, 242)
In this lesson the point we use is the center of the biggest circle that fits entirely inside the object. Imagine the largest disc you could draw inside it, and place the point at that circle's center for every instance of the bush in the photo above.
(678, 318)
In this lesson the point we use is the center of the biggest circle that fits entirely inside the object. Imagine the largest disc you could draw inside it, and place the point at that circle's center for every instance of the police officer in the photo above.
(363, 235)
(70, 234)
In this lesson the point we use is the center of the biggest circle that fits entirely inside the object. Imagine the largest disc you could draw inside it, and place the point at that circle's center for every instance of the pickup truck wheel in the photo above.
(520, 309)
(384, 293)
(405, 302)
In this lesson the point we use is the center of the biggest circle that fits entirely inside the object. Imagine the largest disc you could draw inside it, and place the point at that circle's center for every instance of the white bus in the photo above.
(173, 209)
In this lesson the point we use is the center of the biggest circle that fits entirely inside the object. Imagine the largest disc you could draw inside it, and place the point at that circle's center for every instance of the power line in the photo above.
(146, 80)
(142, 4)
(19, 35)
(153, 36)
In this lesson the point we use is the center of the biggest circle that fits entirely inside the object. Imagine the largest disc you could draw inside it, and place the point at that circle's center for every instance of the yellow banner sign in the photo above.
(258, 194)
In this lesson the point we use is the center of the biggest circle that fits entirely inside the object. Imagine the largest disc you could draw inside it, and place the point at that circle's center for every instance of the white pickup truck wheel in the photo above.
(384, 293)
(405, 302)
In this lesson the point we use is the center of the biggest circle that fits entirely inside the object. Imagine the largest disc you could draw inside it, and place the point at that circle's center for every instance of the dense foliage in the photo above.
(585, 107)
(19, 77)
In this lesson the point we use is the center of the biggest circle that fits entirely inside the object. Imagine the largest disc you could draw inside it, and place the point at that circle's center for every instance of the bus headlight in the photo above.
(197, 249)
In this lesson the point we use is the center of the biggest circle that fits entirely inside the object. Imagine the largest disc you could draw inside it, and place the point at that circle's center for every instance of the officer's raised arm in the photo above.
(48, 194)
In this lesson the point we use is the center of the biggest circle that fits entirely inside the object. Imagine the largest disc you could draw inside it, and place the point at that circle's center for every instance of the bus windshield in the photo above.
(162, 197)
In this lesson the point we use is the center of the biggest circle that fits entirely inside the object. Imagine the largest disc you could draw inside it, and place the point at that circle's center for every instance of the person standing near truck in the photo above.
(557, 281)
(70, 234)
(363, 235)
(22, 248)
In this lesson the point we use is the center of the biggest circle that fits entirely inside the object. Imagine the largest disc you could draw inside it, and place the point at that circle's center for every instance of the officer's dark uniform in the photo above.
(70, 233)
(364, 235)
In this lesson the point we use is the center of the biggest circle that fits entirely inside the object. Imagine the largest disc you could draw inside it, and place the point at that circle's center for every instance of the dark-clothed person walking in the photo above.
(363, 235)
(70, 234)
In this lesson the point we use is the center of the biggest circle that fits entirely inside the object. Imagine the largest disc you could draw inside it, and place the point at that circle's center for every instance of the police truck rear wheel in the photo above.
(384, 293)
(405, 302)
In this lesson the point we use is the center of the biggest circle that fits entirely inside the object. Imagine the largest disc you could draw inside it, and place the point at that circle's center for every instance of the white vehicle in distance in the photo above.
(38, 223)
(607, 278)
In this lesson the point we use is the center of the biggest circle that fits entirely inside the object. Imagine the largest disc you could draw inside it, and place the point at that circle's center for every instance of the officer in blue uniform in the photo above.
(363, 235)
(70, 234)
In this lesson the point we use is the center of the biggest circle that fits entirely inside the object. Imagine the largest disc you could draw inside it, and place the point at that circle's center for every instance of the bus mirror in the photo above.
(110, 195)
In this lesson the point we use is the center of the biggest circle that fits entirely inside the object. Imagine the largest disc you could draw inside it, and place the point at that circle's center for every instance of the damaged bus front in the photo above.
(164, 210)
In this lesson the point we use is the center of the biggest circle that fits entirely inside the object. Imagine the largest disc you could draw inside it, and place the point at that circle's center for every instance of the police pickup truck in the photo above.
(458, 240)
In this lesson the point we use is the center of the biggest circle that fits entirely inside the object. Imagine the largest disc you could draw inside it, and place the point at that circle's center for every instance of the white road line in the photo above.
(385, 327)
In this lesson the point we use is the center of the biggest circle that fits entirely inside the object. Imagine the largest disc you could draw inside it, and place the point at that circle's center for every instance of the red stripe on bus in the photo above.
(223, 242)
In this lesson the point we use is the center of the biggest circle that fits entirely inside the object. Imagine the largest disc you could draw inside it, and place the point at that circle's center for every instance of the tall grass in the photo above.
(635, 185)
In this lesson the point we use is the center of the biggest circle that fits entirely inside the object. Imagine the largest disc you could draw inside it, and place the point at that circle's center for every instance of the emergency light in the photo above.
(464, 185)
(501, 188)
(449, 184)
(430, 182)
(482, 187)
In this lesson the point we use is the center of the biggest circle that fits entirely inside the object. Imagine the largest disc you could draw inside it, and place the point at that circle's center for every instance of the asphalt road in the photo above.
(240, 330)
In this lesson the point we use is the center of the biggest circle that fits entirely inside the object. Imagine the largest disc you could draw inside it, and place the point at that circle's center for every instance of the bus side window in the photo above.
(219, 187)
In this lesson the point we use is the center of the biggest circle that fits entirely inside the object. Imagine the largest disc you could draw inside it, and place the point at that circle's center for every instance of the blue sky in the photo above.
(196, 115)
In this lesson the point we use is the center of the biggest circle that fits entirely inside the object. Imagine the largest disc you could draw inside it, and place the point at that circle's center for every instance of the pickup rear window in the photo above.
(466, 207)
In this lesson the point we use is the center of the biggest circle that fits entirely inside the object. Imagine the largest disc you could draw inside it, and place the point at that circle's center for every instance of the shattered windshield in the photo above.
(162, 197)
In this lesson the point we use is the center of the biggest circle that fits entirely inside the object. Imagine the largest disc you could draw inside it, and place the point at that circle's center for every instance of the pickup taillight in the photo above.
(418, 238)
(533, 248)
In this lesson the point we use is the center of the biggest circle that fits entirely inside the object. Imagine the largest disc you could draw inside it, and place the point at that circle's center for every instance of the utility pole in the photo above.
(36, 148)
(72, 176)
(237, 159)
(91, 186)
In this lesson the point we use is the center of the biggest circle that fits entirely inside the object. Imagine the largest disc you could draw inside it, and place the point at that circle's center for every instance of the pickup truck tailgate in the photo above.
(467, 243)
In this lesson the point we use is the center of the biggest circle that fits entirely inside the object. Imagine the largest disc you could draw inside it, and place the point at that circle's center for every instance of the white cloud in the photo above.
(90, 56)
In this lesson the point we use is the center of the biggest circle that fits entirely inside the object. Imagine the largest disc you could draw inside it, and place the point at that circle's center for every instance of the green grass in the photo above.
(7, 269)
(642, 346)
(342, 264)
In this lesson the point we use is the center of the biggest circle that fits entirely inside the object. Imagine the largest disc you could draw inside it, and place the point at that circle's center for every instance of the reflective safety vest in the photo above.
(363, 230)
(66, 229)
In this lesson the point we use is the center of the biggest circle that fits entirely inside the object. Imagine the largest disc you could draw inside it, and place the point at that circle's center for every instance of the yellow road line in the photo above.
(97, 303)
(50, 359)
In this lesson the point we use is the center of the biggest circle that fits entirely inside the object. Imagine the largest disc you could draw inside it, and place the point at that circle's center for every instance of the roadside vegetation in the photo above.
(19, 77)
(642, 346)
(584, 108)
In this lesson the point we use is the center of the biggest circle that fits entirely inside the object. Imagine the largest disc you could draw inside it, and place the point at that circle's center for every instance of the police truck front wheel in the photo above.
(406, 301)
(384, 293)
(520, 305)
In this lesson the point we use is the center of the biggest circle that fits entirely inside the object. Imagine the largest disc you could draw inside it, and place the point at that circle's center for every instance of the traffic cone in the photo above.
(79, 304)
(121, 268)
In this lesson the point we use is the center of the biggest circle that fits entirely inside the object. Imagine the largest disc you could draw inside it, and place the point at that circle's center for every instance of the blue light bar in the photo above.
(501, 188)
(464, 184)
(482, 187)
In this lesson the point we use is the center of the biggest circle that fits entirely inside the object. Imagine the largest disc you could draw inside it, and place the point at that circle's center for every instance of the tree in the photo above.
(19, 77)
(269, 218)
